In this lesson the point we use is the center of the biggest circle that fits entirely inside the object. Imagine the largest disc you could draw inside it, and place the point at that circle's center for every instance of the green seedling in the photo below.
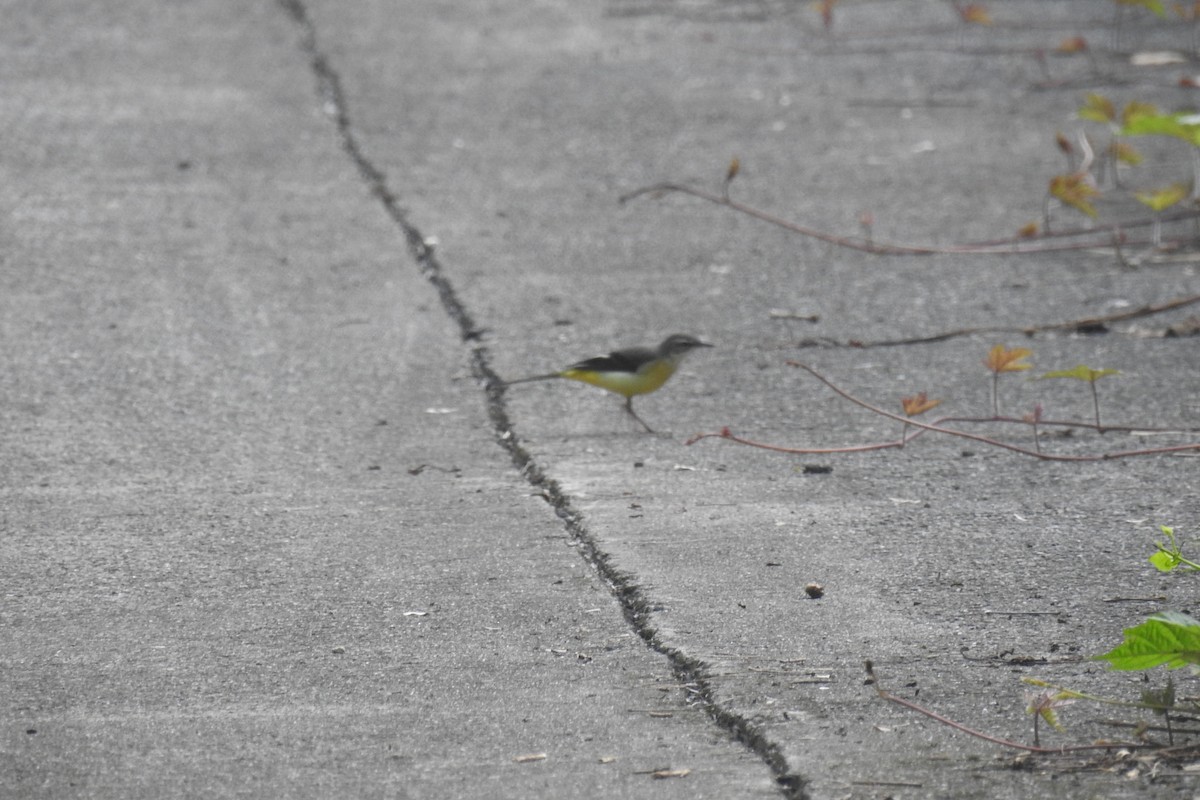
(1098, 108)
(915, 405)
(1162, 199)
(1155, 6)
(1033, 418)
(1044, 705)
(1169, 556)
(825, 9)
(1002, 359)
(1161, 703)
(1085, 373)
(1076, 190)
(1159, 200)
(972, 13)
(1190, 13)
(1184, 125)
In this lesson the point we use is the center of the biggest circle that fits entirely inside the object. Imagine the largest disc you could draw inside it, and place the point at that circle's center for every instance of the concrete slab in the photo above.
(257, 536)
(266, 531)
(942, 133)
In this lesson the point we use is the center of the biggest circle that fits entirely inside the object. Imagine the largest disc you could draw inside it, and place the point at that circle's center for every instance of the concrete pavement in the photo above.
(266, 532)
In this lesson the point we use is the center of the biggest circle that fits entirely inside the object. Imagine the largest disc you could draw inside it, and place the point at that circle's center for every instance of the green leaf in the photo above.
(1136, 109)
(1051, 717)
(1161, 199)
(1076, 190)
(1081, 373)
(1183, 125)
(1097, 108)
(1155, 6)
(1170, 638)
(1046, 704)
(1125, 153)
(1164, 560)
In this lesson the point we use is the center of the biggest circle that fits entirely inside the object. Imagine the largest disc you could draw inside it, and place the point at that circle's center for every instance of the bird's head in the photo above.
(679, 344)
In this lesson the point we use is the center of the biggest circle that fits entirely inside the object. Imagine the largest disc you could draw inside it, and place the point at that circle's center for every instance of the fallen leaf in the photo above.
(976, 13)
(528, 757)
(1161, 58)
(1074, 44)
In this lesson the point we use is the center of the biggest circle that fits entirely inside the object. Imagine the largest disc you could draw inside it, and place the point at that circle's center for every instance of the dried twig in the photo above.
(1085, 324)
(1106, 236)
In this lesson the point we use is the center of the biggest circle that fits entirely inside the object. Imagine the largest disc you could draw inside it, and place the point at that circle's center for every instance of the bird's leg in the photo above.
(632, 413)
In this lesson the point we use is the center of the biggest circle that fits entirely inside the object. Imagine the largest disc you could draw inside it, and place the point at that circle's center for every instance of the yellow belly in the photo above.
(626, 384)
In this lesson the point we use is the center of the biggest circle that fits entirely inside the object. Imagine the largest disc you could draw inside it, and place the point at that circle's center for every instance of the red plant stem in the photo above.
(986, 439)
(726, 433)
(1030, 330)
(1009, 247)
(958, 726)
(1064, 423)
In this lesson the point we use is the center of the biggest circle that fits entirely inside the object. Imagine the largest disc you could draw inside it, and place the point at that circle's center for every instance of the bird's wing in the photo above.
(617, 361)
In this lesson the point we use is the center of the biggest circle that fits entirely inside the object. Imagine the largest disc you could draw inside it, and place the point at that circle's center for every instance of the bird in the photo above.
(630, 371)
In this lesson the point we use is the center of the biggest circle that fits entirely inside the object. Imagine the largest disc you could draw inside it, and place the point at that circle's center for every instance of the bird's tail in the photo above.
(532, 378)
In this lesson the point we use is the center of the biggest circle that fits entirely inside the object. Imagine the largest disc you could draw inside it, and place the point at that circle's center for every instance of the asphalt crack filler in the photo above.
(689, 671)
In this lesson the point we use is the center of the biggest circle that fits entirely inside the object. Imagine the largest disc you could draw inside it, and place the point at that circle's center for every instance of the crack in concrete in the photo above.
(687, 670)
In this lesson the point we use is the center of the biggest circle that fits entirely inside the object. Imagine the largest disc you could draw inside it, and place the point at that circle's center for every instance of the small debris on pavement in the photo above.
(528, 757)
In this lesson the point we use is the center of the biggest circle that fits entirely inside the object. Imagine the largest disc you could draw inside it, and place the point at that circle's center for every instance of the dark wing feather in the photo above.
(618, 361)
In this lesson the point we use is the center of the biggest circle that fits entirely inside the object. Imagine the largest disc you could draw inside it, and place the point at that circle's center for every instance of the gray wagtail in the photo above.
(631, 371)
